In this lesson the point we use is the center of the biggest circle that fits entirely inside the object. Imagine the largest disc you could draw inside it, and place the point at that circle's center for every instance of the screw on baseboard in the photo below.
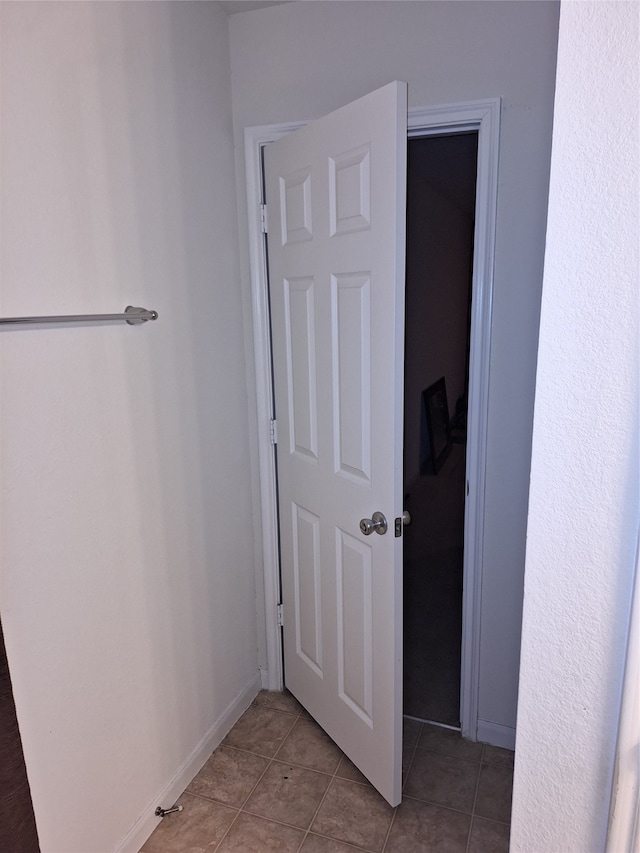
(160, 812)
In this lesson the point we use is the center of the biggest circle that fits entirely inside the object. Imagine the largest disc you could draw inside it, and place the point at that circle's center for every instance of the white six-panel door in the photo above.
(335, 193)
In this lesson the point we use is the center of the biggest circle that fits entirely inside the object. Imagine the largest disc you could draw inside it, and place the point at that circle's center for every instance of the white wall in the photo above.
(301, 60)
(584, 504)
(127, 562)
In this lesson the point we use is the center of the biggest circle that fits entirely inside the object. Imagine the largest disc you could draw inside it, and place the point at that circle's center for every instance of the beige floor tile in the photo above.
(494, 793)
(280, 796)
(448, 742)
(355, 814)
(261, 730)
(319, 844)
(498, 756)
(348, 770)
(281, 700)
(288, 794)
(229, 776)
(199, 828)
(250, 834)
(410, 731)
(419, 827)
(310, 746)
(487, 836)
(442, 779)
(407, 758)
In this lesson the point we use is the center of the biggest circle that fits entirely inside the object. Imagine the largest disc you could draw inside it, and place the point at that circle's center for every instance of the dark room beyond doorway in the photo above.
(441, 189)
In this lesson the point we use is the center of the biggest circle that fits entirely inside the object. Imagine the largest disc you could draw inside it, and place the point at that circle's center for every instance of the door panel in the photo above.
(301, 367)
(351, 297)
(336, 197)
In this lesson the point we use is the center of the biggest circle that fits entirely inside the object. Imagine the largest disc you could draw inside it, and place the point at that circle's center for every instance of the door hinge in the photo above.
(264, 222)
(279, 616)
(273, 431)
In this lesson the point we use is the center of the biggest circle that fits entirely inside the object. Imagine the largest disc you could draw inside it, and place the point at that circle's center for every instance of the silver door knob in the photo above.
(377, 522)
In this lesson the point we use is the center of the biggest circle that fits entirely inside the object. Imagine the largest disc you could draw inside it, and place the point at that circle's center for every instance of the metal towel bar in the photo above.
(132, 315)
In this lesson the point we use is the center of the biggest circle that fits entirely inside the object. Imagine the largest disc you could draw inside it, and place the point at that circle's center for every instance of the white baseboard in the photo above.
(193, 763)
(496, 734)
(264, 678)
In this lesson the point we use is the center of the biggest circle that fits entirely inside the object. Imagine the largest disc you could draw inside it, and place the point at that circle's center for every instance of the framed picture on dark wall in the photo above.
(436, 413)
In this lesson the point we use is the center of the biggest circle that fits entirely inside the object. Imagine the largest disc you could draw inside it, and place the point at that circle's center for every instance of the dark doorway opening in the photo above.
(441, 191)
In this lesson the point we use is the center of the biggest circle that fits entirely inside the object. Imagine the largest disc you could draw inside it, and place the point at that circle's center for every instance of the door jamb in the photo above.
(483, 117)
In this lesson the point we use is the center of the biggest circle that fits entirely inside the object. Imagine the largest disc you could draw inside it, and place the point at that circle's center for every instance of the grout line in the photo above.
(244, 802)
(392, 821)
(404, 782)
(268, 765)
(475, 799)
(440, 806)
(409, 766)
(347, 844)
(227, 830)
(415, 746)
(493, 820)
(315, 814)
(295, 723)
(423, 749)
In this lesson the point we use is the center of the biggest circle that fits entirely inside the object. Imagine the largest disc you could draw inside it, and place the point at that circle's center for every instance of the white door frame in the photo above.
(480, 116)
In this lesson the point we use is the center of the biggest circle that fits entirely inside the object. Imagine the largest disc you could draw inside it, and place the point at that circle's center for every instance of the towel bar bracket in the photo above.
(135, 321)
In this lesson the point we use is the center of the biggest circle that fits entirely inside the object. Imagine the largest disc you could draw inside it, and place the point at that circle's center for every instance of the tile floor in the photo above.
(278, 782)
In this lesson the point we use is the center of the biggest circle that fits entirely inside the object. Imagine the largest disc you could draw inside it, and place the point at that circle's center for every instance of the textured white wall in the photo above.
(584, 503)
(301, 60)
(127, 563)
